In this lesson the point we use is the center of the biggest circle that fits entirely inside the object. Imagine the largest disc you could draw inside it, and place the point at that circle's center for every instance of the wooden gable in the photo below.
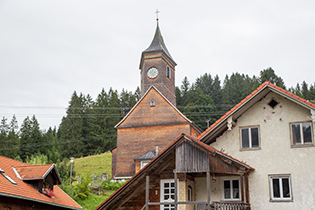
(144, 113)
(193, 158)
(184, 156)
(190, 158)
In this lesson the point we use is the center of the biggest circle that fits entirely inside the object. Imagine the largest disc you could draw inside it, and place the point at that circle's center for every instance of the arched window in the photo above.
(189, 193)
(168, 72)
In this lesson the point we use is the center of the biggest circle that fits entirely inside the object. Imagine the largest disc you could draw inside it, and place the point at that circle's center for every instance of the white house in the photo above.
(272, 130)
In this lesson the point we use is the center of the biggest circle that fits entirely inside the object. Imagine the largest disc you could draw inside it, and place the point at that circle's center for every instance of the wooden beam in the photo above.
(175, 184)
(147, 192)
(164, 163)
(242, 187)
(247, 189)
(208, 190)
(125, 197)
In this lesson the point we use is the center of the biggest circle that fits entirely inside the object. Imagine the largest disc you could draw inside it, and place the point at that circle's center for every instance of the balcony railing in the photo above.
(214, 205)
(229, 206)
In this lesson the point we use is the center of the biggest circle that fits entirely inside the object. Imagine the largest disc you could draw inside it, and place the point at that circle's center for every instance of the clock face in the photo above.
(152, 72)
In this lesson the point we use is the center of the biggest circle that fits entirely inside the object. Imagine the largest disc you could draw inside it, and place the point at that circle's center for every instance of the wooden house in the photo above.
(28, 187)
(186, 175)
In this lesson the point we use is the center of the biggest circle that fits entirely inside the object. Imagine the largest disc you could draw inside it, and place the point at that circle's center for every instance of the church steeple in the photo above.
(158, 45)
(158, 67)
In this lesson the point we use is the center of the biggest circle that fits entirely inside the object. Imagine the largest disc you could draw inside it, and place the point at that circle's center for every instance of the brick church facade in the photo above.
(154, 122)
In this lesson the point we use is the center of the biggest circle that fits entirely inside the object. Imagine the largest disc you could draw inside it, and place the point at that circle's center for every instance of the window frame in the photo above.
(250, 138)
(152, 103)
(271, 191)
(231, 189)
(302, 144)
(144, 163)
(168, 72)
(162, 181)
(189, 193)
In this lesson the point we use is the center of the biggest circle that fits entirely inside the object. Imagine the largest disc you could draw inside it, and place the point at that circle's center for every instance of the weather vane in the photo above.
(157, 14)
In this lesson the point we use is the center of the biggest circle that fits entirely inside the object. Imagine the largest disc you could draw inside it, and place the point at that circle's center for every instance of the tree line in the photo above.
(88, 127)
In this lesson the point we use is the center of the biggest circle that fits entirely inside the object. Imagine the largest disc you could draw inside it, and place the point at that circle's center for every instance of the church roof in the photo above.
(157, 45)
(172, 105)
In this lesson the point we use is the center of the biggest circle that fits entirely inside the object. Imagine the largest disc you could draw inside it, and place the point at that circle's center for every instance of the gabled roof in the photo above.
(132, 183)
(37, 172)
(220, 125)
(172, 105)
(23, 190)
(157, 45)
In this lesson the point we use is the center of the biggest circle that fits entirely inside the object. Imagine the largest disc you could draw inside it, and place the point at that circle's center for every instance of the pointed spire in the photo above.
(157, 44)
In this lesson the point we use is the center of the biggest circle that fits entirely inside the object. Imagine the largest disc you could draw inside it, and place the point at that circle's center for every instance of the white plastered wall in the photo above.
(275, 155)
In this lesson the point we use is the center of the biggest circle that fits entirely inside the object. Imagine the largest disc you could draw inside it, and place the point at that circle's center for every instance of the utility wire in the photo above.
(57, 142)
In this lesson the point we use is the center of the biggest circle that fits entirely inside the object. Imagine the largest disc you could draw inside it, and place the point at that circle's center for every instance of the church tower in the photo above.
(154, 122)
(157, 68)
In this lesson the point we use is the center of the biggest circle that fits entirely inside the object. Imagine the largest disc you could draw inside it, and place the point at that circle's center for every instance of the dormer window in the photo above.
(144, 163)
(152, 103)
(168, 72)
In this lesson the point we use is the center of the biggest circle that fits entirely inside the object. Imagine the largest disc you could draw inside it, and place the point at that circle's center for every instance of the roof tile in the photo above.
(26, 191)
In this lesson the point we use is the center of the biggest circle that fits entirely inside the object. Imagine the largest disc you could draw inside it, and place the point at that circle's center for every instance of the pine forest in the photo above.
(88, 127)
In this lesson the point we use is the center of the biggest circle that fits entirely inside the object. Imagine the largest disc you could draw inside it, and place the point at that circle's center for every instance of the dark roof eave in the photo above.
(39, 201)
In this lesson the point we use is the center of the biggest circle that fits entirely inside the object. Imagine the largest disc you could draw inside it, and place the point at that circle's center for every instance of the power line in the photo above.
(58, 142)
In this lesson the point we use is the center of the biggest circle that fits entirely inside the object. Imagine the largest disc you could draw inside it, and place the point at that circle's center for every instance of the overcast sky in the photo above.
(49, 49)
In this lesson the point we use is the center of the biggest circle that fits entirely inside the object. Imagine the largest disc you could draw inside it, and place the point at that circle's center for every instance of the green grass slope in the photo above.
(94, 164)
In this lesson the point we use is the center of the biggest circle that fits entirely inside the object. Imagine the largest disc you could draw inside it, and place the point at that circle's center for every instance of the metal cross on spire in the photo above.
(157, 14)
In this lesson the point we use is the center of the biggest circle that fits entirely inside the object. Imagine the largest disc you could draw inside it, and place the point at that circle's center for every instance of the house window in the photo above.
(250, 137)
(168, 72)
(231, 189)
(152, 103)
(189, 193)
(167, 193)
(144, 163)
(301, 133)
(280, 188)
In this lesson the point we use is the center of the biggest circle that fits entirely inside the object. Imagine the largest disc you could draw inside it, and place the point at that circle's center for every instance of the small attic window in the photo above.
(273, 103)
(16, 173)
(152, 103)
(9, 178)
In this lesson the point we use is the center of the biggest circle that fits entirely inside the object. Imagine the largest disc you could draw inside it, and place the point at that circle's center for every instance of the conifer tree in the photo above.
(4, 141)
(71, 128)
(13, 137)
(52, 146)
(304, 90)
(25, 139)
(270, 75)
